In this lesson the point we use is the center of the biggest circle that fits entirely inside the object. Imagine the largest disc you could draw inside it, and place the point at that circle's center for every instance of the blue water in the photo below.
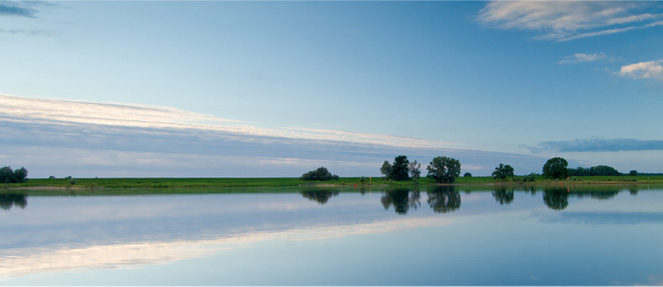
(433, 236)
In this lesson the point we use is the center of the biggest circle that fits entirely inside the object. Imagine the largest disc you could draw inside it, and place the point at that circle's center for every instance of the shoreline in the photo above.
(98, 184)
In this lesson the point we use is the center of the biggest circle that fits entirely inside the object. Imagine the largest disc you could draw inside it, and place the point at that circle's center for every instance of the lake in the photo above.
(438, 235)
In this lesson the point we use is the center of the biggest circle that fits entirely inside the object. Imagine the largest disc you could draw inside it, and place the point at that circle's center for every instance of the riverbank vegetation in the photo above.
(441, 171)
(118, 183)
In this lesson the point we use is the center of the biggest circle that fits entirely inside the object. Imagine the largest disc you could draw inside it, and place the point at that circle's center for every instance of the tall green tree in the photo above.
(400, 168)
(7, 175)
(503, 172)
(21, 174)
(386, 169)
(444, 169)
(556, 167)
(415, 170)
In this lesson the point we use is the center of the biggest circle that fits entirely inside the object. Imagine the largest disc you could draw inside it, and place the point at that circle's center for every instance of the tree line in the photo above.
(442, 169)
(7, 175)
(446, 169)
(557, 168)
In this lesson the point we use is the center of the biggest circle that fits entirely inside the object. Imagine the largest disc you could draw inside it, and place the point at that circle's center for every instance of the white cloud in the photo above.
(581, 57)
(65, 112)
(569, 20)
(82, 139)
(643, 70)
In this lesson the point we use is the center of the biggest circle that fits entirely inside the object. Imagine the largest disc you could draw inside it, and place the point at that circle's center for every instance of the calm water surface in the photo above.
(431, 236)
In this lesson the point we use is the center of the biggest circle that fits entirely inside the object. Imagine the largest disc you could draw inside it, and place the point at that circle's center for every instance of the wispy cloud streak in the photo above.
(570, 20)
(64, 112)
(582, 57)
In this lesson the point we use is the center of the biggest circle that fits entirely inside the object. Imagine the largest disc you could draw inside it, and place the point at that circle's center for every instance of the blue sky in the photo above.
(150, 88)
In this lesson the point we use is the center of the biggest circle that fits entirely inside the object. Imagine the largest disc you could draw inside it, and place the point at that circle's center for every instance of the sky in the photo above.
(272, 89)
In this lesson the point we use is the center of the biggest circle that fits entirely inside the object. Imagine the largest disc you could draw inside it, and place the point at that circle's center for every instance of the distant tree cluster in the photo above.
(7, 175)
(599, 170)
(442, 169)
(320, 174)
(556, 168)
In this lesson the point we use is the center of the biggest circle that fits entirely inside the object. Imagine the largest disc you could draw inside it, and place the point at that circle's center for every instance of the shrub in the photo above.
(321, 174)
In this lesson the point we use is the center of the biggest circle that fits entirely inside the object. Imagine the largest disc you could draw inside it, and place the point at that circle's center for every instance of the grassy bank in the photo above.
(117, 183)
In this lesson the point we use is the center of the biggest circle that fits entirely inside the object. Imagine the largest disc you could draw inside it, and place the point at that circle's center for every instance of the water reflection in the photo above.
(556, 198)
(402, 199)
(281, 232)
(443, 199)
(603, 194)
(8, 200)
(319, 195)
(502, 195)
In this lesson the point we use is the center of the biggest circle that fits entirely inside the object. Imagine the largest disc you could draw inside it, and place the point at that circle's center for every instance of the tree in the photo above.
(444, 169)
(503, 172)
(7, 175)
(415, 170)
(386, 169)
(399, 170)
(21, 174)
(321, 174)
(599, 170)
(556, 167)
(467, 174)
(633, 172)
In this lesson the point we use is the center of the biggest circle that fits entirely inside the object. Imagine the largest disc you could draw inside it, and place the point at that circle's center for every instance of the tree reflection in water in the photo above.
(556, 198)
(402, 199)
(319, 195)
(503, 196)
(603, 194)
(8, 200)
(443, 199)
